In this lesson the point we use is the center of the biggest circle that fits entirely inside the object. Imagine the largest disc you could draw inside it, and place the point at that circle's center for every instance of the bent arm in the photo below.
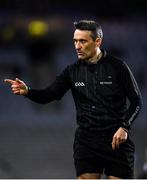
(53, 92)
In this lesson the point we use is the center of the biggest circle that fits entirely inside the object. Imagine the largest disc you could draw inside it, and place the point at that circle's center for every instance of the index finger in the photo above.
(9, 81)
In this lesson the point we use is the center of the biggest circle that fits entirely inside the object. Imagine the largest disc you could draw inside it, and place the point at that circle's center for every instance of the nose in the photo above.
(78, 45)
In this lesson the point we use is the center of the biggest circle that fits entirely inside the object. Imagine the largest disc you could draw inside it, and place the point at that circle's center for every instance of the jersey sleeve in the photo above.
(54, 91)
(133, 94)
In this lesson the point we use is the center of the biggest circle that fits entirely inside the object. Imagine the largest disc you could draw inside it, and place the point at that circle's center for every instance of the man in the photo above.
(100, 85)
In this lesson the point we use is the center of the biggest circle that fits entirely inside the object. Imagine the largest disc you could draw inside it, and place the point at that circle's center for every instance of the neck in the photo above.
(97, 57)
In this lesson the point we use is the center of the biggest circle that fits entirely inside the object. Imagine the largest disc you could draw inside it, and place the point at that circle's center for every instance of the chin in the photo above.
(81, 58)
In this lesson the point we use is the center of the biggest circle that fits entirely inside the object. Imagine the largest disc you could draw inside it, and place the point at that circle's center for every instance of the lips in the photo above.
(80, 53)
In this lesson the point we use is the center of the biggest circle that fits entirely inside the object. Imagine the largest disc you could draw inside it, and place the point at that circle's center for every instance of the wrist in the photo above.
(126, 130)
(126, 126)
(26, 91)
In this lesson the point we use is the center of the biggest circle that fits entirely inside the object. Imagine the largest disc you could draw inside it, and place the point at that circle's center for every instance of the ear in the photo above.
(98, 42)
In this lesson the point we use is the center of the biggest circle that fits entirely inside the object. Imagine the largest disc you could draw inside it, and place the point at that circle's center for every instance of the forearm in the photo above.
(54, 91)
(132, 113)
(41, 96)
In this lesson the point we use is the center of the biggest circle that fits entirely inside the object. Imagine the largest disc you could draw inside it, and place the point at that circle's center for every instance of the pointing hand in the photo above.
(18, 87)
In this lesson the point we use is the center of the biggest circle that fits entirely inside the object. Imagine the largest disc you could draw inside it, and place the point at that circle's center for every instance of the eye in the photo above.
(74, 40)
(82, 41)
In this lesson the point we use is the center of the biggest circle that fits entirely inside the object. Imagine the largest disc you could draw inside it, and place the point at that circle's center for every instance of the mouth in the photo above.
(80, 53)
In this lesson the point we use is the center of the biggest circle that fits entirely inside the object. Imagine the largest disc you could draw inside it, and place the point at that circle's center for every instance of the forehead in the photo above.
(82, 34)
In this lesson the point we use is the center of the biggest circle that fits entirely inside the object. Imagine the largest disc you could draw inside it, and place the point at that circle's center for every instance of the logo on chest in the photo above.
(106, 82)
(79, 84)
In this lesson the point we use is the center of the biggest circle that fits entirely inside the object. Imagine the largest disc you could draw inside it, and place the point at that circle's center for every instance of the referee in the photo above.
(101, 86)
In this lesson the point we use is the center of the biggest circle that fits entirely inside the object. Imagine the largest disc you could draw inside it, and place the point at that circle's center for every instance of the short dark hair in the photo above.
(90, 25)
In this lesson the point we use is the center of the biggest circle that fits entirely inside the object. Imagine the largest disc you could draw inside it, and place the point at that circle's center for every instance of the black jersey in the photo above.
(100, 91)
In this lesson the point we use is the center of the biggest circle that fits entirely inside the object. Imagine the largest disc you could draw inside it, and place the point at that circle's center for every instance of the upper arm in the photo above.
(129, 83)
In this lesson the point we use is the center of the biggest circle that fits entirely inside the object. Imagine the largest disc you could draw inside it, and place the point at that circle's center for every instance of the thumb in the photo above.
(19, 81)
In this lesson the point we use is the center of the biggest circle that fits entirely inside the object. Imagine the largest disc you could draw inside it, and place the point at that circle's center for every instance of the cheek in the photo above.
(90, 50)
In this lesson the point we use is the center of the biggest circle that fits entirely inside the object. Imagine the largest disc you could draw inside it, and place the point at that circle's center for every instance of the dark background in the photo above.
(35, 45)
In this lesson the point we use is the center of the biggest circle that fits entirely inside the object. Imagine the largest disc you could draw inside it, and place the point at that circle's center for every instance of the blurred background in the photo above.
(35, 45)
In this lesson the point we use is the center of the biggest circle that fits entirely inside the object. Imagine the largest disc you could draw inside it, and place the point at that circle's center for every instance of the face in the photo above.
(85, 46)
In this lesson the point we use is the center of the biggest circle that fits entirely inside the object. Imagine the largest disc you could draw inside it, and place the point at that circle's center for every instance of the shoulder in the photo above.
(114, 61)
(73, 66)
(69, 69)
